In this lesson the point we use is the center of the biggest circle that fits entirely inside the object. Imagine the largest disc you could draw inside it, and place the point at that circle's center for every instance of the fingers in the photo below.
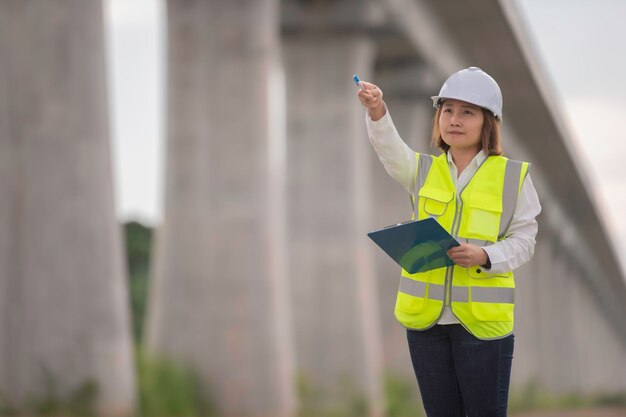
(460, 259)
(465, 255)
(457, 250)
(369, 86)
(463, 247)
(455, 256)
(371, 97)
(459, 255)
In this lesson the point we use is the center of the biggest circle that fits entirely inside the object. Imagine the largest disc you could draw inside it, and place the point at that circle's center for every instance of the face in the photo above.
(460, 124)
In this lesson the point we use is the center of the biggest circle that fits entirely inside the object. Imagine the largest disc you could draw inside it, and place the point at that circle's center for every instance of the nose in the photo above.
(453, 120)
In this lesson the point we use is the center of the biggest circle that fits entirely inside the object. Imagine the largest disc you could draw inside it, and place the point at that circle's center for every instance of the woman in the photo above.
(459, 319)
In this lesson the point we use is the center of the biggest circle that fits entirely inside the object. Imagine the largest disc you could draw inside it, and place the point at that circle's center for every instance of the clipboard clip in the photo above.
(398, 224)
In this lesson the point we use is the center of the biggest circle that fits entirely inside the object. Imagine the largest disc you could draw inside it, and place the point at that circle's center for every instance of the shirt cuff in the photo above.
(495, 257)
(382, 122)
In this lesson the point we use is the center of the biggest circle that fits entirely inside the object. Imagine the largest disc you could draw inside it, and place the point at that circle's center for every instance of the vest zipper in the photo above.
(456, 225)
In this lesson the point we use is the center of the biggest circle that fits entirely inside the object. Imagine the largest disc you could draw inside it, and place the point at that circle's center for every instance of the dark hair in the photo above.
(489, 135)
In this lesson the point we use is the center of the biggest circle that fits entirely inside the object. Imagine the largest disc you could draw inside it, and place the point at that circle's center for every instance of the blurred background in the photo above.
(186, 188)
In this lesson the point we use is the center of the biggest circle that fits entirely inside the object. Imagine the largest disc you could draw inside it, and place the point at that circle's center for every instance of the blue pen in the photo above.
(358, 81)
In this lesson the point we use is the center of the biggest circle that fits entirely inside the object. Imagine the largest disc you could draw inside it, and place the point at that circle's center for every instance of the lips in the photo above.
(454, 132)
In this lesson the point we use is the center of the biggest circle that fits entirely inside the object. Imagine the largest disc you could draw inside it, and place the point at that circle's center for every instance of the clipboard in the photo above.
(416, 245)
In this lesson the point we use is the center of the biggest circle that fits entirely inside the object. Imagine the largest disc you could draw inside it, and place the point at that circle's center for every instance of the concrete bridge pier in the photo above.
(64, 319)
(219, 295)
(527, 317)
(338, 345)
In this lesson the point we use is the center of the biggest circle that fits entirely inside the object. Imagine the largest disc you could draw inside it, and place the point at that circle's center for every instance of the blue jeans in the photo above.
(459, 375)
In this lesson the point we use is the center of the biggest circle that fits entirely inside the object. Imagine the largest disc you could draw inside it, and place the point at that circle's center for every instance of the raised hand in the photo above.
(372, 99)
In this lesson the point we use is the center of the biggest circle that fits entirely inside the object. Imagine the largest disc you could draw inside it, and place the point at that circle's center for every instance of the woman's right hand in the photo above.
(372, 99)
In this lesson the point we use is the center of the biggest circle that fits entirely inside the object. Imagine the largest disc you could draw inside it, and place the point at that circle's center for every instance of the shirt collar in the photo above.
(477, 160)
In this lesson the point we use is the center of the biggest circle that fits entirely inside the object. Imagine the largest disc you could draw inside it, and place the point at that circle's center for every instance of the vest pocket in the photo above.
(483, 216)
(434, 201)
(492, 301)
(492, 311)
(410, 304)
(478, 272)
(412, 296)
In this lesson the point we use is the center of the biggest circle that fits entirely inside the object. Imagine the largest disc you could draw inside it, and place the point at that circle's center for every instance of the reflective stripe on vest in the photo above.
(424, 162)
(418, 289)
(459, 294)
(493, 294)
(510, 194)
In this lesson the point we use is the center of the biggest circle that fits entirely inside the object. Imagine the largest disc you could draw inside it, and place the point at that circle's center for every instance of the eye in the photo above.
(468, 112)
(447, 110)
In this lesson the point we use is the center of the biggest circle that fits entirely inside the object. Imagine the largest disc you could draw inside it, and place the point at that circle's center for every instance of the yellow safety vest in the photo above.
(482, 301)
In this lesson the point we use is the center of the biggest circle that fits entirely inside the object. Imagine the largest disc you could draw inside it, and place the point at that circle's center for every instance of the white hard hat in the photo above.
(475, 86)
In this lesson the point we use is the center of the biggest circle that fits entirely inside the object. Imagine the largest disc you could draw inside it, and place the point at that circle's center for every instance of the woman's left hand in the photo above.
(468, 255)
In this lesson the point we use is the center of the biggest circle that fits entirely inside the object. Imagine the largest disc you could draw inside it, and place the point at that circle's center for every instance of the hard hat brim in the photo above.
(437, 99)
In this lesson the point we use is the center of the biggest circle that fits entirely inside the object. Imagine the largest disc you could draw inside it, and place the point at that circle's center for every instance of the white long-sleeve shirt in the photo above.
(399, 161)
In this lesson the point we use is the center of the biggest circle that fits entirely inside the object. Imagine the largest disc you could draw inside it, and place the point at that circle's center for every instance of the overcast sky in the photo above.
(580, 43)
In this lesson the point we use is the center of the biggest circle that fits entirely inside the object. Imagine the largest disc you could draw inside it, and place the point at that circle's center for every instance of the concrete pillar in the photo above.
(219, 294)
(524, 363)
(570, 370)
(551, 326)
(64, 320)
(578, 331)
(581, 333)
(616, 355)
(605, 352)
(559, 323)
(336, 319)
(595, 347)
(588, 331)
(530, 330)
(568, 356)
(542, 294)
(599, 366)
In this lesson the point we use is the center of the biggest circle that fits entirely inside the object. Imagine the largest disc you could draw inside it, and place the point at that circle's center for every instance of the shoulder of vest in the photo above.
(441, 159)
(501, 158)
(507, 159)
(424, 158)
(504, 162)
(498, 158)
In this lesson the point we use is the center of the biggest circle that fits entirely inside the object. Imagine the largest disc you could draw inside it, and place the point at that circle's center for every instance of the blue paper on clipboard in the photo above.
(417, 245)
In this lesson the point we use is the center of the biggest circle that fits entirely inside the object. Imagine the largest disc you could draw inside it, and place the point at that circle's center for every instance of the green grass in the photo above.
(169, 389)
(534, 397)
(401, 397)
(347, 402)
